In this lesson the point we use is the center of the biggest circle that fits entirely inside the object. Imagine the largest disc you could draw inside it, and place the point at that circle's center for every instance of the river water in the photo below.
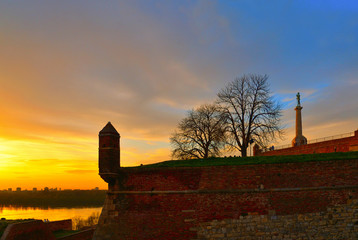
(52, 214)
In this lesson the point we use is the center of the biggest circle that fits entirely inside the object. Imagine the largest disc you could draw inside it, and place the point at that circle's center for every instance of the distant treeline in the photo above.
(53, 199)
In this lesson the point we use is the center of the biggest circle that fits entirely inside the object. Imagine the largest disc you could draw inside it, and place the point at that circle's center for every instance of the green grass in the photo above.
(233, 161)
(63, 233)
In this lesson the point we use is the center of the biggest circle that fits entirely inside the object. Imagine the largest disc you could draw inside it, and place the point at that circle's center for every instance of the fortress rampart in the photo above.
(182, 203)
(300, 146)
(346, 144)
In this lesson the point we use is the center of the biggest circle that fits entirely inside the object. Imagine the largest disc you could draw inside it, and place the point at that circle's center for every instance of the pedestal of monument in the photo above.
(299, 140)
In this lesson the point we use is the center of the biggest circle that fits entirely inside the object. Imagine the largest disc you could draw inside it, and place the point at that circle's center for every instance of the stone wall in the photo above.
(170, 203)
(337, 145)
(338, 222)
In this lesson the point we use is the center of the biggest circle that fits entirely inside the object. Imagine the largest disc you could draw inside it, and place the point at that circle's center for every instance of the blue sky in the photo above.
(66, 68)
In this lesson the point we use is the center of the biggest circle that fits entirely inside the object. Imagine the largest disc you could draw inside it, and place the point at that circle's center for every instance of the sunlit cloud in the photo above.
(67, 68)
(81, 171)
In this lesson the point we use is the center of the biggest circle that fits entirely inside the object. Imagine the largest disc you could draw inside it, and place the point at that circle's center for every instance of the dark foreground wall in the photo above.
(173, 203)
(59, 225)
(34, 229)
(38, 230)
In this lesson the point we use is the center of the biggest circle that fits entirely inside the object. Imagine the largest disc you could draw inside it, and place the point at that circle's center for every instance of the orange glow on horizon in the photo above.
(66, 70)
(70, 163)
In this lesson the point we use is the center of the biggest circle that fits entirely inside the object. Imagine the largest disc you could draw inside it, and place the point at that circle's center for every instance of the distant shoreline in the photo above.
(53, 199)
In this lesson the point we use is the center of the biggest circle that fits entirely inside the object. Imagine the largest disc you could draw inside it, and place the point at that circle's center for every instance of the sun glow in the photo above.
(28, 164)
(63, 78)
(67, 163)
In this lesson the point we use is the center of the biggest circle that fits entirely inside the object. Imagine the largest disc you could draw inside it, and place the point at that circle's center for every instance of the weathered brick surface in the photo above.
(204, 194)
(339, 222)
(306, 174)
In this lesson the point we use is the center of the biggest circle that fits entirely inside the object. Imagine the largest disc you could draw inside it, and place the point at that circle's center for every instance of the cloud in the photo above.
(336, 106)
(73, 88)
(66, 68)
(81, 171)
(135, 157)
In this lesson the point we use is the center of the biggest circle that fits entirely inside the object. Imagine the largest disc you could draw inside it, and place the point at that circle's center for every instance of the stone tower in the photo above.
(299, 139)
(109, 153)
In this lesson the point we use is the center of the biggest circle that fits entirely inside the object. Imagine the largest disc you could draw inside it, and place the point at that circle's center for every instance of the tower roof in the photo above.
(109, 129)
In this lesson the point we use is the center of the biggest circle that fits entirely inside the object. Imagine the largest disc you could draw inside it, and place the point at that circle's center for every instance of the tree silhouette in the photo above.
(200, 134)
(250, 112)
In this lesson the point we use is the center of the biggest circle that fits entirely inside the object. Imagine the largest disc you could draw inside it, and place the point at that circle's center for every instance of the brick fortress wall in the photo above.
(337, 145)
(172, 203)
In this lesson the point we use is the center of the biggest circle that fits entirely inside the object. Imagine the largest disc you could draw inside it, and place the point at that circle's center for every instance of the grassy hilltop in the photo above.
(233, 161)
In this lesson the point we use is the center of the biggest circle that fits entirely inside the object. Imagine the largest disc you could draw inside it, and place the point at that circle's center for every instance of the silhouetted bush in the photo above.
(79, 223)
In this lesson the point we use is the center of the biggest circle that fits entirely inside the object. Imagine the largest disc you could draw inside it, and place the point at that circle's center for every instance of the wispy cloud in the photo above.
(66, 68)
(81, 171)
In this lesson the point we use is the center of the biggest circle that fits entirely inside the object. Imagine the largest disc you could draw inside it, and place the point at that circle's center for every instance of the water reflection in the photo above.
(20, 208)
(52, 214)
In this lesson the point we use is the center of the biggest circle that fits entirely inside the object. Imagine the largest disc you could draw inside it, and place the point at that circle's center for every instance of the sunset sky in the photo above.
(69, 67)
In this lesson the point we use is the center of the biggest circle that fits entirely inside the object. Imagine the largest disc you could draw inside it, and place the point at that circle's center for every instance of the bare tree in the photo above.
(250, 112)
(199, 135)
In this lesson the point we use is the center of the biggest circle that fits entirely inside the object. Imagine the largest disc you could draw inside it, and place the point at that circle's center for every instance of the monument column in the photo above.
(298, 121)
(299, 139)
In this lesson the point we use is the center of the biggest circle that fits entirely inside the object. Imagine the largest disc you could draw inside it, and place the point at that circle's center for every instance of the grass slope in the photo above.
(64, 233)
(233, 161)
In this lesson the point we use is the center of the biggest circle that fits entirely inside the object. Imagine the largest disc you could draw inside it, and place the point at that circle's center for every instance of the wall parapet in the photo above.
(230, 191)
(345, 144)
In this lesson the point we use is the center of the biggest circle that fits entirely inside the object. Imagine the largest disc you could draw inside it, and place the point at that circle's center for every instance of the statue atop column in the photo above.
(298, 99)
